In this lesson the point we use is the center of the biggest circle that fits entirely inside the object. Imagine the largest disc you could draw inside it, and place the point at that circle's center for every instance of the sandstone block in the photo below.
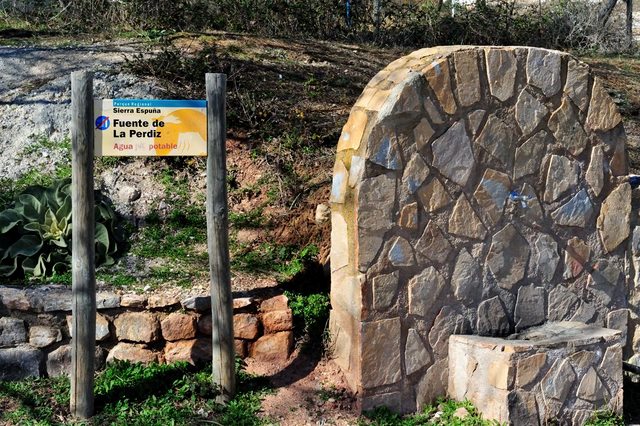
(401, 253)
(434, 196)
(106, 300)
(501, 72)
(353, 130)
(195, 351)
(508, 256)
(492, 318)
(162, 301)
(137, 327)
(132, 353)
(466, 279)
(603, 113)
(614, 220)
(339, 183)
(452, 154)
(492, 193)
(424, 287)
(543, 70)
(529, 112)
(575, 257)
(381, 359)
(562, 176)
(204, 325)
(529, 307)
(467, 77)
(240, 348)
(276, 321)
(544, 258)
(246, 326)
(276, 303)
(14, 299)
(178, 326)
(273, 347)
(566, 128)
(529, 155)
(433, 245)
(577, 85)
(102, 327)
(59, 361)
(385, 288)
(422, 134)
(578, 211)
(133, 301)
(416, 355)
(595, 172)
(499, 140)
(415, 173)
(439, 78)
(43, 336)
(198, 303)
(529, 369)
(465, 222)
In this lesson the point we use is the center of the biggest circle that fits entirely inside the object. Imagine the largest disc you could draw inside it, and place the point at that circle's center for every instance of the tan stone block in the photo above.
(137, 327)
(240, 303)
(42, 336)
(381, 355)
(529, 368)
(434, 196)
(339, 183)
(162, 301)
(422, 134)
(132, 353)
(591, 387)
(603, 113)
(465, 222)
(409, 216)
(544, 70)
(614, 221)
(439, 78)
(575, 257)
(433, 385)
(353, 130)
(433, 244)
(566, 128)
(577, 85)
(467, 77)
(178, 326)
(273, 347)
(595, 172)
(133, 301)
(275, 321)
(245, 326)
(501, 72)
(500, 375)
(339, 242)
(196, 351)
(276, 303)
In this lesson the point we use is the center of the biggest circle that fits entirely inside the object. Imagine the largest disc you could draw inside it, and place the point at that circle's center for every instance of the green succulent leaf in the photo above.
(8, 220)
(27, 245)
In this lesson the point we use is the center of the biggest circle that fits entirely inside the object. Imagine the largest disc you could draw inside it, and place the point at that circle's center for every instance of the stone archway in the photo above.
(476, 190)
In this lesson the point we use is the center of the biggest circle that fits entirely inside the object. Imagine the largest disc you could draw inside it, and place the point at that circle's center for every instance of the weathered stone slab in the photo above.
(492, 193)
(533, 212)
(433, 385)
(384, 149)
(162, 301)
(107, 300)
(467, 77)
(529, 112)
(339, 183)
(340, 244)
(562, 176)
(276, 321)
(353, 130)
(543, 70)
(423, 289)
(434, 196)
(575, 257)
(499, 140)
(245, 326)
(508, 256)
(133, 301)
(12, 331)
(501, 72)
(14, 299)
(415, 173)
(558, 381)
(41, 336)
(492, 318)
(591, 387)
(529, 155)
(433, 245)
(195, 351)
(529, 369)
(422, 134)
(605, 273)
(401, 253)
(356, 170)
(595, 172)
(137, 327)
(465, 222)
(102, 327)
(475, 119)
(409, 217)
(529, 307)
(439, 77)
(452, 154)
(273, 347)
(562, 304)
(404, 97)
(432, 111)
(466, 279)
(19, 363)
(132, 353)
(381, 358)
(566, 128)
(577, 85)
(578, 211)
(197, 303)
(544, 258)
(385, 288)
(447, 322)
(58, 362)
(178, 326)
(613, 222)
(603, 114)
(416, 355)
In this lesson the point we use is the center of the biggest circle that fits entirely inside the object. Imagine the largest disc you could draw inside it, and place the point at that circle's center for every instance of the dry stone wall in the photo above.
(476, 190)
(35, 329)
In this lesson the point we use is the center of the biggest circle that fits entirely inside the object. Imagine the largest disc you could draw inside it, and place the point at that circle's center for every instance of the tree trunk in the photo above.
(629, 24)
(605, 12)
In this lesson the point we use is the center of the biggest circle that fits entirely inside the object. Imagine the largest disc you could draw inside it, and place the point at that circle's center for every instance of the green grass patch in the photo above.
(382, 416)
(282, 260)
(133, 394)
(605, 418)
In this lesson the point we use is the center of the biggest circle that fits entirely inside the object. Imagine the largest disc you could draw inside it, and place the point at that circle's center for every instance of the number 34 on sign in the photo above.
(140, 127)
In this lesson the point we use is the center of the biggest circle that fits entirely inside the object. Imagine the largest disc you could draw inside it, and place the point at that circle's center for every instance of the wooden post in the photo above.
(83, 246)
(218, 239)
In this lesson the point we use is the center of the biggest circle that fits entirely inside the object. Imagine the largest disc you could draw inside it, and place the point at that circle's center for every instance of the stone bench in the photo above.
(558, 372)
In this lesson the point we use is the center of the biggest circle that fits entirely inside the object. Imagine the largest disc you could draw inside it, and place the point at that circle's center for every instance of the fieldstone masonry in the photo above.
(477, 191)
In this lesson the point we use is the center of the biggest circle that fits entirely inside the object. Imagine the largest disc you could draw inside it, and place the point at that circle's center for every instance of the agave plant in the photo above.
(35, 232)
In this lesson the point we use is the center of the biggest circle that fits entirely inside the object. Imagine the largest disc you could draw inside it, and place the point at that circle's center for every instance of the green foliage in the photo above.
(133, 394)
(36, 232)
(310, 310)
(285, 261)
(382, 416)
(605, 418)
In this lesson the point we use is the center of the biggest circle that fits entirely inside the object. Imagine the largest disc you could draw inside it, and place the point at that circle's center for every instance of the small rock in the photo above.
(42, 336)
(178, 326)
(276, 303)
(275, 321)
(133, 301)
(323, 214)
(245, 326)
(461, 413)
(197, 303)
(132, 353)
(12, 331)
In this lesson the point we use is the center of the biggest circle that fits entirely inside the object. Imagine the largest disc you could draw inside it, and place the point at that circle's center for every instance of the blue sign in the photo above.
(103, 122)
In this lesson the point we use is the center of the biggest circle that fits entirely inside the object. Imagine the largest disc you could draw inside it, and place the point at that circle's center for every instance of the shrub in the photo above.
(36, 231)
